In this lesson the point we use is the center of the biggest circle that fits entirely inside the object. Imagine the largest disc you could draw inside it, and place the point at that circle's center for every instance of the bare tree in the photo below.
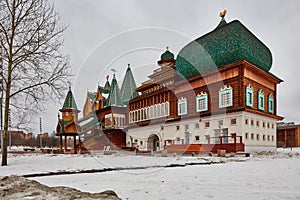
(34, 69)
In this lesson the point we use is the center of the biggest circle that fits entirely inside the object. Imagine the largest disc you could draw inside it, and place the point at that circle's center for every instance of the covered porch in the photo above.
(231, 147)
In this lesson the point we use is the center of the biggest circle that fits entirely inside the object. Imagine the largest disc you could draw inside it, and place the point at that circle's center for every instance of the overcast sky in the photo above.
(110, 34)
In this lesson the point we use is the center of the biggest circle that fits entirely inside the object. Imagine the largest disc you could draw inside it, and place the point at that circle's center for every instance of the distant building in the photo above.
(20, 134)
(28, 136)
(43, 135)
(288, 134)
(18, 137)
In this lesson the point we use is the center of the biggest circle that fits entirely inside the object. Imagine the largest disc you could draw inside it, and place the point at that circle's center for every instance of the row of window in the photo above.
(115, 120)
(197, 138)
(207, 124)
(259, 137)
(150, 112)
(259, 123)
(233, 121)
(226, 100)
(69, 114)
(261, 99)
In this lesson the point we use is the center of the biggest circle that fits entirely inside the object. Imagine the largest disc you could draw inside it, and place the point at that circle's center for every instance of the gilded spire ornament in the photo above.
(222, 14)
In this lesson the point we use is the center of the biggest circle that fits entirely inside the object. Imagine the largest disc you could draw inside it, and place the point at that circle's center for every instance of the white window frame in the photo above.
(249, 100)
(226, 90)
(202, 97)
(167, 107)
(182, 102)
(261, 100)
(271, 104)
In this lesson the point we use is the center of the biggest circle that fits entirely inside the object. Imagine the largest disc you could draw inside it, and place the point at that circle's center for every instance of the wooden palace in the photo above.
(218, 91)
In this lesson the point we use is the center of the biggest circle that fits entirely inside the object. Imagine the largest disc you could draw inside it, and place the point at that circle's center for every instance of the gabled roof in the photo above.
(91, 96)
(88, 122)
(106, 87)
(128, 89)
(98, 95)
(70, 102)
(114, 98)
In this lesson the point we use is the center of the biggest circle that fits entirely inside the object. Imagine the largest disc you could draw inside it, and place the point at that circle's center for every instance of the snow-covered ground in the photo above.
(262, 176)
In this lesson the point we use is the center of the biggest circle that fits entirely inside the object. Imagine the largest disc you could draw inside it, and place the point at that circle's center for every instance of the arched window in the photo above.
(225, 97)
(271, 104)
(142, 114)
(148, 112)
(163, 109)
(152, 112)
(167, 108)
(138, 115)
(157, 113)
(182, 106)
(202, 102)
(261, 100)
(130, 117)
(134, 115)
(249, 96)
(145, 113)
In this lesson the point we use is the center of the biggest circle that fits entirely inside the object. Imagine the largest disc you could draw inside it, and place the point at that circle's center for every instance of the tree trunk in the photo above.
(5, 134)
(6, 113)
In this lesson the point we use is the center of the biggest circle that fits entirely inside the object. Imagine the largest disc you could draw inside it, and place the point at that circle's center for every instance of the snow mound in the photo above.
(17, 187)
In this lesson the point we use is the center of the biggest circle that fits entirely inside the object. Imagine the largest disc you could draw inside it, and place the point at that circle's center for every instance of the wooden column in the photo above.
(234, 138)
(60, 142)
(65, 143)
(79, 141)
(75, 151)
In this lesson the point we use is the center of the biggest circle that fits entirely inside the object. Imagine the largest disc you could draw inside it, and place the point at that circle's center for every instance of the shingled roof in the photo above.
(70, 101)
(114, 98)
(128, 89)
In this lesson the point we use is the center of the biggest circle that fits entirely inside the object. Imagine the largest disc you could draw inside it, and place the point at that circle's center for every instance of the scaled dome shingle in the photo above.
(226, 44)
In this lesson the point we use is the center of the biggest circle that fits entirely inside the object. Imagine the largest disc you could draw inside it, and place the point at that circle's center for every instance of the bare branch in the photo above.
(34, 69)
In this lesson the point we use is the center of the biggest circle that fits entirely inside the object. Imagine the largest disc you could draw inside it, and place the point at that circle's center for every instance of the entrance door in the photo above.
(187, 138)
(153, 143)
(157, 146)
(221, 132)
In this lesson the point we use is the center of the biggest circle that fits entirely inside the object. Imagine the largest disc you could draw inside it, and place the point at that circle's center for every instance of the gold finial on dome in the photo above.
(222, 14)
(107, 77)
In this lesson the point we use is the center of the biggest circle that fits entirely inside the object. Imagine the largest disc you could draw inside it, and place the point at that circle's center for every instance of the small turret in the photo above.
(128, 86)
(114, 94)
(69, 110)
(167, 59)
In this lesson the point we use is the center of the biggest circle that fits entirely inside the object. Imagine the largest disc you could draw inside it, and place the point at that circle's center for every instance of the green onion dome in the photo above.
(167, 55)
(226, 44)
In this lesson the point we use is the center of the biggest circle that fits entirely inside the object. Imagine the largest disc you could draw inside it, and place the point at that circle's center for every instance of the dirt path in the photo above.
(56, 173)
